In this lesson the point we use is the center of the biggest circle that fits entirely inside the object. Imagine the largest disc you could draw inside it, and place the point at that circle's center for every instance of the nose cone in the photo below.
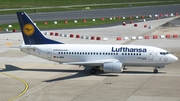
(173, 59)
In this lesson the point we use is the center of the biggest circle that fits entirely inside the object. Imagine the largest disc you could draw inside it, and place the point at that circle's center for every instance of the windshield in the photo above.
(164, 53)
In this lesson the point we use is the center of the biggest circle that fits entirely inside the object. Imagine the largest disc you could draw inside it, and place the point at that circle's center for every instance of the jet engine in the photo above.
(112, 67)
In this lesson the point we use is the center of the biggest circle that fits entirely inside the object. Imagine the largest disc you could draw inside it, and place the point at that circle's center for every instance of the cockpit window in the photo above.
(164, 53)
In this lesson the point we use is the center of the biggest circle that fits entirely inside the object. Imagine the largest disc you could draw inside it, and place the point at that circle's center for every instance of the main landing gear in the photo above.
(94, 70)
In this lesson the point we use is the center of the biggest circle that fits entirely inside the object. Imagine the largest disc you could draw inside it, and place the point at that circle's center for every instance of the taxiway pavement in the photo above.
(50, 81)
(97, 13)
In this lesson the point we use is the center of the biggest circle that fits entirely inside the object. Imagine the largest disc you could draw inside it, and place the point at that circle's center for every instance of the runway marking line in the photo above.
(25, 83)
(9, 44)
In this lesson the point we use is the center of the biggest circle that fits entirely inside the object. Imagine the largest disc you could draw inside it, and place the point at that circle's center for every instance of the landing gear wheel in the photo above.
(93, 71)
(155, 71)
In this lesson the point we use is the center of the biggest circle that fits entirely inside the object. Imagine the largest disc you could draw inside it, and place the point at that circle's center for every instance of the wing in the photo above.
(92, 63)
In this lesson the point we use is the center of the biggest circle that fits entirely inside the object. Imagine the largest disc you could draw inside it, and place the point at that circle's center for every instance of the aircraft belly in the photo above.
(143, 64)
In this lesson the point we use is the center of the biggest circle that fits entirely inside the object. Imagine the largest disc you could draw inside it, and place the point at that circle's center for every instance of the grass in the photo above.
(71, 24)
(40, 3)
(56, 5)
(13, 6)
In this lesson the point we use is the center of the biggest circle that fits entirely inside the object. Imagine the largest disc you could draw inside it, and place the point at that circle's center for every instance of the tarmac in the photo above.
(27, 78)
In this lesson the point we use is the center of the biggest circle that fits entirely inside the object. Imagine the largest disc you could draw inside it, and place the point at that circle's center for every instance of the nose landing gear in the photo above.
(155, 70)
(157, 67)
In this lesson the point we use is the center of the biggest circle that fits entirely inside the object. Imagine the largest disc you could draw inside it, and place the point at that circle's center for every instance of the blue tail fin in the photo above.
(31, 33)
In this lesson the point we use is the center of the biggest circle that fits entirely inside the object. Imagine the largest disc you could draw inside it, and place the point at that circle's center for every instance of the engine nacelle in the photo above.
(112, 67)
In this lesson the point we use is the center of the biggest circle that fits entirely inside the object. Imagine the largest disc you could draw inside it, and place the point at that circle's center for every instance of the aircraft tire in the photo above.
(93, 71)
(155, 71)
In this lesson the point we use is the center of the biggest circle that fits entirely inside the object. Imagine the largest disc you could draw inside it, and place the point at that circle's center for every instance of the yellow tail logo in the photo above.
(28, 29)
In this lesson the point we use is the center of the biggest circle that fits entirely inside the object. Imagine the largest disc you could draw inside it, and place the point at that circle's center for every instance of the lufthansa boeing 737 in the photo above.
(108, 58)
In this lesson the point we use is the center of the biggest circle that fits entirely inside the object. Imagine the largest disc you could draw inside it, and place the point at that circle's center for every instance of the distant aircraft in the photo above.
(109, 58)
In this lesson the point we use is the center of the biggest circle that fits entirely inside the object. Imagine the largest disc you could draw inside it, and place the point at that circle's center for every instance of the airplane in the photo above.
(107, 58)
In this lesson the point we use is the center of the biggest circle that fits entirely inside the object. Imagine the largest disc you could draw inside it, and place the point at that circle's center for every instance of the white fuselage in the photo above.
(128, 55)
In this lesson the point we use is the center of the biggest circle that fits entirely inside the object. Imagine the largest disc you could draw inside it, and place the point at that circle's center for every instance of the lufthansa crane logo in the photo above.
(28, 29)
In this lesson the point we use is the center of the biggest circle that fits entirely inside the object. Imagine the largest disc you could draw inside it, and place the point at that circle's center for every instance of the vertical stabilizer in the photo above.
(31, 33)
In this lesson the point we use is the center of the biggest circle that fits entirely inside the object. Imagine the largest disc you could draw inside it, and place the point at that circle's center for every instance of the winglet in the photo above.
(31, 33)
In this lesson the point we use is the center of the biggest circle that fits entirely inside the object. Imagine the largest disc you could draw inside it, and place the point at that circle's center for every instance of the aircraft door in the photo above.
(151, 55)
(49, 53)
